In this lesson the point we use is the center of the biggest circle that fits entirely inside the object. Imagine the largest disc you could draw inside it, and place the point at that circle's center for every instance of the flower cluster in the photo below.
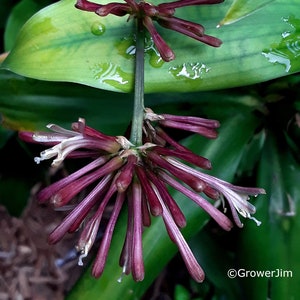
(119, 172)
(163, 14)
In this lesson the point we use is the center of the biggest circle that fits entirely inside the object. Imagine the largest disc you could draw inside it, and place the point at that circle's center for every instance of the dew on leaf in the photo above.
(190, 71)
(155, 59)
(126, 48)
(97, 28)
(111, 74)
(288, 49)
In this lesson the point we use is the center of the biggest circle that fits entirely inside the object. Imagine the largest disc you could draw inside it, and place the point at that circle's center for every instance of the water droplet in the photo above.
(275, 56)
(288, 49)
(126, 47)
(285, 34)
(111, 74)
(130, 50)
(97, 28)
(189, 71)
(155, 59)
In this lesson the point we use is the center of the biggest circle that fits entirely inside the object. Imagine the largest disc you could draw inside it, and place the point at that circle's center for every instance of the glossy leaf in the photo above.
(274, 246)
(158, 249)
(19, 15)
(216, 261)
(29, 104)
(61, 43)
(241, 9)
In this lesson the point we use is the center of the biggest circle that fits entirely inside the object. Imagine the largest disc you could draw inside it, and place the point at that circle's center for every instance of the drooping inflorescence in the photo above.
(120, 172)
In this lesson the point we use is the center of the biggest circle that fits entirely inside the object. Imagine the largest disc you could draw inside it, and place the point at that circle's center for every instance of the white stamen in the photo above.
(258, 223)
(123, 274)
(37, 160)
(84, 253)
(238, 199)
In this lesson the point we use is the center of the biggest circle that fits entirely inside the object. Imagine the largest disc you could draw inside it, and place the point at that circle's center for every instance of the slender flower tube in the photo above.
(236, 196)
(163, 14)
(119, 173)
(201, 126)
(107, 237)
(192, 265)
(137, 263)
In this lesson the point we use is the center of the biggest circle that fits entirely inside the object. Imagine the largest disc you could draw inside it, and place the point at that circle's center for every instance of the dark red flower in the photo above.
(140, 175)
(163, 14)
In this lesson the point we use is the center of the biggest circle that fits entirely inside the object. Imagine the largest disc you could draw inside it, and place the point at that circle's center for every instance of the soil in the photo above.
(30, 267)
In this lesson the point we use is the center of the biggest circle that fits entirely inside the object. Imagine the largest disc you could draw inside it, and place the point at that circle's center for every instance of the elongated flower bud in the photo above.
(119, 172)
(163, 14)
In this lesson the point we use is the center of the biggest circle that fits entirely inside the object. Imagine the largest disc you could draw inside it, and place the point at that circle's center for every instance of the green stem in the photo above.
(138, 109)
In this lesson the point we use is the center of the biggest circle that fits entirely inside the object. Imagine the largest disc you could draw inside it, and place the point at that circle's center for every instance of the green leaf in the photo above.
(28, 104)
(4, 136)
(6, 6)
(274, 246)
(216, 261)
(252, 153)
(158, 249)
(20, 14)
(181, 293)
(61, 43)
(241, 125)
(241, 9)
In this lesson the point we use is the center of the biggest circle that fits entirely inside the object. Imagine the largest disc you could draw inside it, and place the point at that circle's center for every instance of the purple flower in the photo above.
(120, 172)
(163, 14)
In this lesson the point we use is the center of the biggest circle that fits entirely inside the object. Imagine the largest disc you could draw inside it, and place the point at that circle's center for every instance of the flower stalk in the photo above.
(138, 108)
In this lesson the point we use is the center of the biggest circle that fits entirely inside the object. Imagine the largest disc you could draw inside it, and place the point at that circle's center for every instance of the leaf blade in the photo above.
(57, 44)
